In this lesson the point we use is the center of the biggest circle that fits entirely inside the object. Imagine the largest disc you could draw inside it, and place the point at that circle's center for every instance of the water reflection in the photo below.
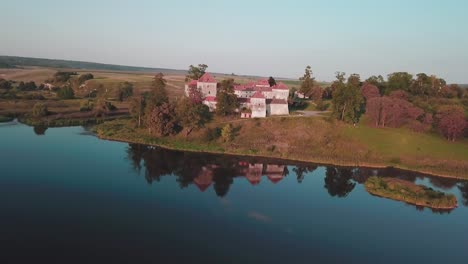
(40, 130)
(218, 171)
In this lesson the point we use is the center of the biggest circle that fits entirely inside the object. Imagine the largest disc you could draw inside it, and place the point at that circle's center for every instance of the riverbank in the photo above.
(312, 140)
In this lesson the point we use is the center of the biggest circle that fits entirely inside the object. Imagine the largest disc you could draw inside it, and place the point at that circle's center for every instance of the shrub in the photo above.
(39, 110)
(321, 106)
(86, 106)
(211, 134)
(227, 133)
(66, 92)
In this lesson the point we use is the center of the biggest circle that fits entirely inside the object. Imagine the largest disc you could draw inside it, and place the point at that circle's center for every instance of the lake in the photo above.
(69, 197)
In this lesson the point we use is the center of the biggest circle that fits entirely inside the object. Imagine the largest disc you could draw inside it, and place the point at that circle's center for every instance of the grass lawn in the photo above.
(393, 143)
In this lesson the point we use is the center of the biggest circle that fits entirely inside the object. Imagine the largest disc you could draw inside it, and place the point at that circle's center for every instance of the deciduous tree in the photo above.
(194, 72)
(125, 91)
(226, 99)
(271, 81)
(347, 98)
(162, 120)
(370, 91)
(308, 82)
(192, 115)
(451, 122)
(66, 92)
(398, 81)
(137, 108)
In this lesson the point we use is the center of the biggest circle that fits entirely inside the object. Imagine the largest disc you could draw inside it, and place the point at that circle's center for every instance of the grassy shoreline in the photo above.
(119, 130)
(408, 192)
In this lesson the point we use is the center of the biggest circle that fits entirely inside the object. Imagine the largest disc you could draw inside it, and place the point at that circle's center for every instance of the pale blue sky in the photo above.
(276, 38)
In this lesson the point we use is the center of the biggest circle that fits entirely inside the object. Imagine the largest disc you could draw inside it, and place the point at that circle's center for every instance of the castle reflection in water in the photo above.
(218, 171)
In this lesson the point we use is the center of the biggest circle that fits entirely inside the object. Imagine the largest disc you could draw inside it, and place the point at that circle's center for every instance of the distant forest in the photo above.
(18, 62)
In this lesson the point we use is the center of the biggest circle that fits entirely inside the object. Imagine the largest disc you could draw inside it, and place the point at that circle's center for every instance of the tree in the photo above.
(39, 110)
(195, 95)
(137, 108)
(63, 77)
(377, 81)
(158, 95)
(227, 133)
(399, 81)
(162, 120)
(316, 93)
(102, 107)
(271, 81)
(347, 98)
(451, 122)
(86, 106)
(227, 103)
(28, 86)
(194, 72)
(125, 91)
(4, 84)
(370, 91)
(308, 82)
(84, 77)
(66, 92)
(192, 115)
(395, 111)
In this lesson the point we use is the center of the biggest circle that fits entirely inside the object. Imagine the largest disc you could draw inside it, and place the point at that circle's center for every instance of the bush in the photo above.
(39, 110)
(212, 134)
(34, 97)
(321, 106)
(86, 106)
(65, 93)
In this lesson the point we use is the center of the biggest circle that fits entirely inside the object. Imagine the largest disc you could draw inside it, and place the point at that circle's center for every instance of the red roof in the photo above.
(281, 86)
(275, 180)
(263, 82)
(202, 186)
(258, 95)
(210, 99)
(207, 78)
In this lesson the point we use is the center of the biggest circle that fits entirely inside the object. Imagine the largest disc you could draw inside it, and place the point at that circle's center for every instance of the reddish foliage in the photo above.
(451, 122)
(316, 93)
(393, 112)
(399, 94)
(370, 91)
(195, 95)
(373, 109)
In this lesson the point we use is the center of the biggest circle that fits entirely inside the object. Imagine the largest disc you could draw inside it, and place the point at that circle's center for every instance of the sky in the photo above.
(254, 37)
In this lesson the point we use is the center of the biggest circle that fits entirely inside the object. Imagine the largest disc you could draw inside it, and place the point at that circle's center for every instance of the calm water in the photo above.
(68, 197)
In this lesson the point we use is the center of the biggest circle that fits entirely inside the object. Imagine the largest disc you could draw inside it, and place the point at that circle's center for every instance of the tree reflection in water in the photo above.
(40, 130)
(463, 187)
(338, 181)
(219, 171)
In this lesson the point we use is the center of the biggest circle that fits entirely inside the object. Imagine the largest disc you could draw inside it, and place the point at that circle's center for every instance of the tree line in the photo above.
(421, 102)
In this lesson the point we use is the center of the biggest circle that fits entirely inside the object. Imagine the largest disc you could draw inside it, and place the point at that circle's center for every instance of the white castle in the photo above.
(262, 99)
